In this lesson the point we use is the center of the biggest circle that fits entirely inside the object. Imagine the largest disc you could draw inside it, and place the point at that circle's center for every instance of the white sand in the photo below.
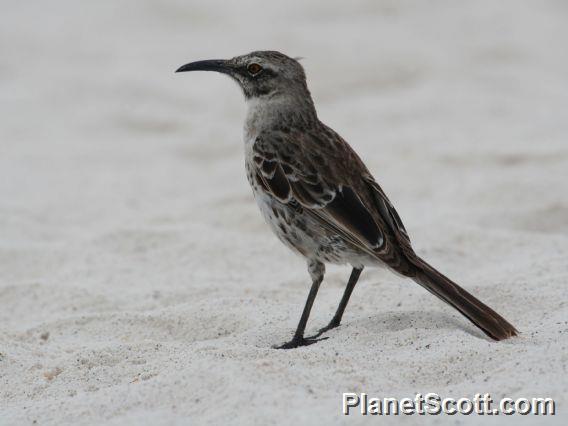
(138, 283)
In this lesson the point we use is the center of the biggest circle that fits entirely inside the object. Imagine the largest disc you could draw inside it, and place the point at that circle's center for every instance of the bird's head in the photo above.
(261, 73)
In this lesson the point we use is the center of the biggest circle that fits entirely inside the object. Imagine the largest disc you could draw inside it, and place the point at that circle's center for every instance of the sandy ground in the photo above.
(138, 282)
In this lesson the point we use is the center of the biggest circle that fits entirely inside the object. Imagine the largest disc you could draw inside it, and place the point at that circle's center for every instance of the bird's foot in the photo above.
(332, 324)
(296, 342)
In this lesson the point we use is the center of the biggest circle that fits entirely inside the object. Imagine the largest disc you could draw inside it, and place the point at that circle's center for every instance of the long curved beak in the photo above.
(219, 65)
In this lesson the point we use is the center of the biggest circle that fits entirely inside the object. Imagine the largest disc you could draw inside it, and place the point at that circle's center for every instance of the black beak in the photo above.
(219, 65)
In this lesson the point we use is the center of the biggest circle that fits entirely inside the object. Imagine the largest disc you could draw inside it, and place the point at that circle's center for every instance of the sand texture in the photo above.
(139, 283)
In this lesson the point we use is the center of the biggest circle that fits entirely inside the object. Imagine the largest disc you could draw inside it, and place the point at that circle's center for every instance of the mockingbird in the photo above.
(317, 195)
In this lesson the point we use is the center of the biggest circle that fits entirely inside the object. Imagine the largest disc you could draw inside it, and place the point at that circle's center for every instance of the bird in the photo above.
(319, 198)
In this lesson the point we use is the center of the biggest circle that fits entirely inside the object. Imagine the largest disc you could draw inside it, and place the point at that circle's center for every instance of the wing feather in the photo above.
(335, 189)
(336, 207)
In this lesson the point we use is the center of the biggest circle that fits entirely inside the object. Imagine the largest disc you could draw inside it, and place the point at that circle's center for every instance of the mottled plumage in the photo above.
(317, 195)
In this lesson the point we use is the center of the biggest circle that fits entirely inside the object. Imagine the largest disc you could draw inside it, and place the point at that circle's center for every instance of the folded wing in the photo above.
(357, 211)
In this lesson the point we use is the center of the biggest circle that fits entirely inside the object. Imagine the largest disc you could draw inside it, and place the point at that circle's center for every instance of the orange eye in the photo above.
(254, 69)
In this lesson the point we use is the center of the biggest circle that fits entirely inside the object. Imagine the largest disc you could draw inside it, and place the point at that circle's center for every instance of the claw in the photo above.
(328, 327)
(297, 342)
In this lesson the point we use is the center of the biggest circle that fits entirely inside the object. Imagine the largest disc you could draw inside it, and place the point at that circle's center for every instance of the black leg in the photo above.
(316, 271)
(336, 320)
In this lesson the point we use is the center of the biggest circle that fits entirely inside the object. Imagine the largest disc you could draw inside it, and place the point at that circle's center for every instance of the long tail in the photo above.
(489, 321)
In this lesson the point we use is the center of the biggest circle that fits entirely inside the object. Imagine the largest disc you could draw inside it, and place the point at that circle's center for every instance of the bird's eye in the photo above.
(254, 69)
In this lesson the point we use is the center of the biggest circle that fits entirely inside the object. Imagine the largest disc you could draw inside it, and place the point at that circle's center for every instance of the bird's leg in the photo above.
(336, 320)
(317, 271)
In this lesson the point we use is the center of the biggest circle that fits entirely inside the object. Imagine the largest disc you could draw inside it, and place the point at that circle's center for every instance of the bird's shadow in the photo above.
(419, 320)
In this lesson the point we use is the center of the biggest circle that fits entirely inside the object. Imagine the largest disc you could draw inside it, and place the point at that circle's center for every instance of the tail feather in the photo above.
(481, 315)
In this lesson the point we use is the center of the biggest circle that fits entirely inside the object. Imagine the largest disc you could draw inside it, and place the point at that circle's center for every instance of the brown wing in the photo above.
(335, 189)
(390, 216)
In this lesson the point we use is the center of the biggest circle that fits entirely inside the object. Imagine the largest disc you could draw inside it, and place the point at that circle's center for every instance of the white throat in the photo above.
(261, 113)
